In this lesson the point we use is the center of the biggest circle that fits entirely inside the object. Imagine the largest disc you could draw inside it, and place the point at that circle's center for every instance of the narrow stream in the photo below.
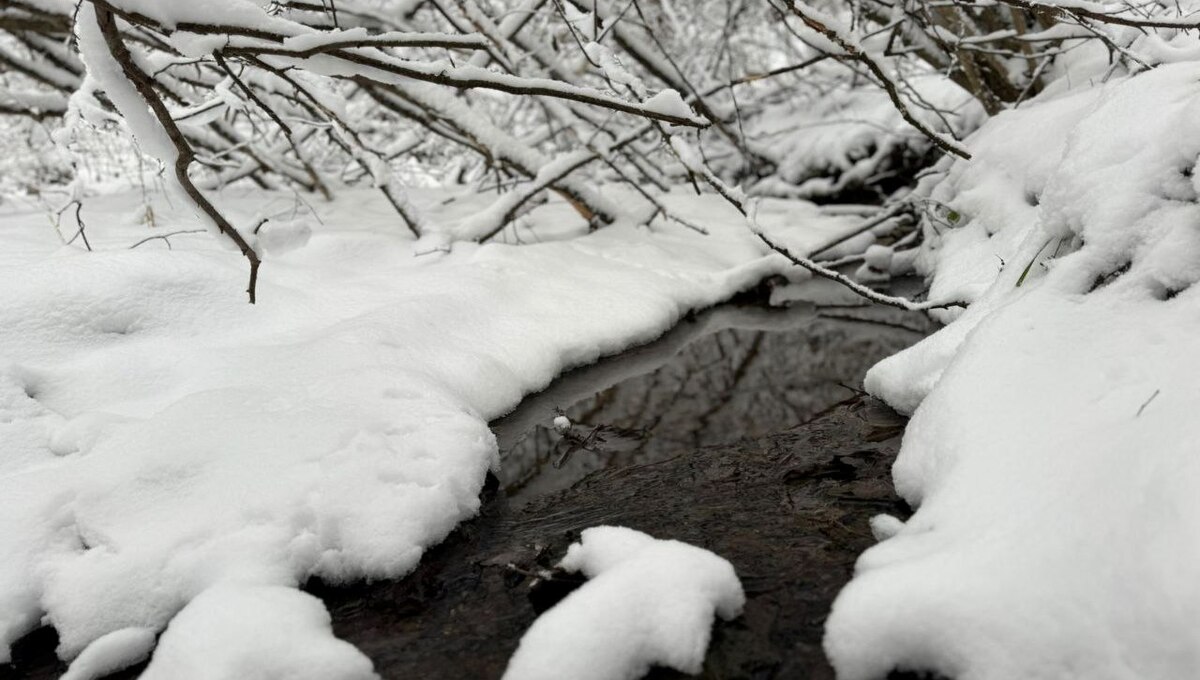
(734, 372)
(692, 437)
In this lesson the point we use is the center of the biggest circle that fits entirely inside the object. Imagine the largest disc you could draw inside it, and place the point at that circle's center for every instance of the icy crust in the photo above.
(1052, 454)
(161, 437)
(647, 602)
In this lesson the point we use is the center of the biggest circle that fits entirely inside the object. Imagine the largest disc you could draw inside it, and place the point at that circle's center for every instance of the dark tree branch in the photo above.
(853, 52)
(184, 155)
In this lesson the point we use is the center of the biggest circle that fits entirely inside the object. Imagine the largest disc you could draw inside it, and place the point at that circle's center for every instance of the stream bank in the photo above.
(740, 431)
(789, 510)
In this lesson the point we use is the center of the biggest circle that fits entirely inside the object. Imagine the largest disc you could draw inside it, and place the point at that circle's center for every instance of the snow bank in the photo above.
(648, 602)
(1051, 452)
(161, 437)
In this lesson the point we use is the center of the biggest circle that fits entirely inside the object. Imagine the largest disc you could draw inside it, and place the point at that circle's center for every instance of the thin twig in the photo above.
(80, 232)
(1146, 403)
(878, 219)
(166, 237)
(868, 293)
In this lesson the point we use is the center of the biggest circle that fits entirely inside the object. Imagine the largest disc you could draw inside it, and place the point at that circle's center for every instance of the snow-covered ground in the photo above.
(648, 602)
(1052, 450)
(174, 455)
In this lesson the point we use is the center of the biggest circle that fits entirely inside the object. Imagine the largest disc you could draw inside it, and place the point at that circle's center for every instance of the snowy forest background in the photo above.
(437, 206)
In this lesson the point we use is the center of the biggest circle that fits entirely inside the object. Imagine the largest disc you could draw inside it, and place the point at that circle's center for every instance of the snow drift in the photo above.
(1051, 451)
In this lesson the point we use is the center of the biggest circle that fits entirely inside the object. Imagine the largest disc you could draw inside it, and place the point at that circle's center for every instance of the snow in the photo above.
(505, 146)
(647, 602)
(669, 103)
(110, 653)
(1050, 454)
(163, 438)
(385, 68)
(562, 424)
(104, 69)
(617, 74)
(312, 41)
(255, 633)
(276, 237)
(233, 13)
(829, 141)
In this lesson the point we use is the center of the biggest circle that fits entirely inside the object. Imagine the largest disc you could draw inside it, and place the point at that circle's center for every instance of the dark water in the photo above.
(731, 373)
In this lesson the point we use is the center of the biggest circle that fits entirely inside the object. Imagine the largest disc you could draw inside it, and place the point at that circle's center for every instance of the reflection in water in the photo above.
(733, 372)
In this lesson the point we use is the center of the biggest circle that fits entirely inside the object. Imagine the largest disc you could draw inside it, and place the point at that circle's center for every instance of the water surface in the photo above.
(734, 372)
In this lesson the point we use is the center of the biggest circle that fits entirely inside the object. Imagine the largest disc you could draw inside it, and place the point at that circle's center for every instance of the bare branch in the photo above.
(107, 24)
(851, 50)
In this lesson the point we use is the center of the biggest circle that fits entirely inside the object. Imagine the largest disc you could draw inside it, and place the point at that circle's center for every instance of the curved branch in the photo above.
(854, 52)
(184, 155)
(864, 291)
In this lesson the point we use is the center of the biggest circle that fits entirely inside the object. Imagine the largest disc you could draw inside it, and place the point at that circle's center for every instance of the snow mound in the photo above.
(648, 602)
(255, 633)
(276, 237)
(110, 653)
(1051, 453)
